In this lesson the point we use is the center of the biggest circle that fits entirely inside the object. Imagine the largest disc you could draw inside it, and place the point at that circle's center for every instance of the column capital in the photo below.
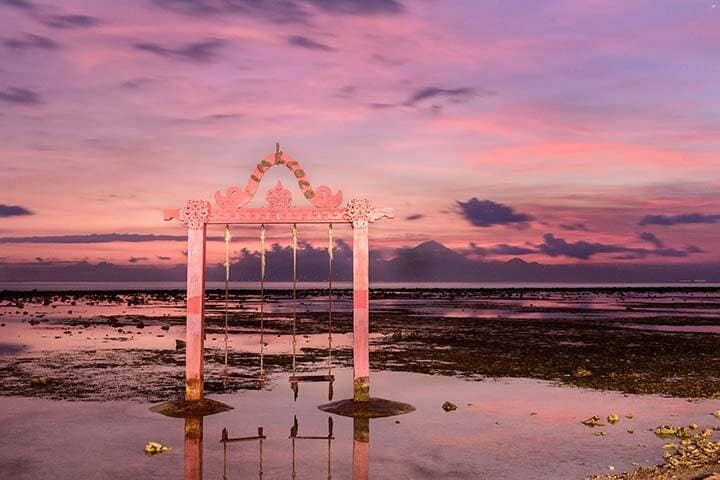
(195, 214)
(360, 212)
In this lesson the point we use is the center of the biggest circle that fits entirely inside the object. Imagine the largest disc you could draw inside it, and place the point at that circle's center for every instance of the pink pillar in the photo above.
(195, 324)
(193, 448)
(361, 359)
(361, 449)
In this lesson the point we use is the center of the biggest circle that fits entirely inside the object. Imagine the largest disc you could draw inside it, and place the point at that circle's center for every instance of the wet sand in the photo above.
(110, 346)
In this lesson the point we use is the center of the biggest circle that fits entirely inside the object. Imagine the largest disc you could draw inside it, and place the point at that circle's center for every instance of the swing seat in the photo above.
(311, 378)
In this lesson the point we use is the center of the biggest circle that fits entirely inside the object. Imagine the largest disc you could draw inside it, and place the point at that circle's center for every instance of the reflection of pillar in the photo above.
(361, 449)
(193, 448)
(195, 325)
(361, 360)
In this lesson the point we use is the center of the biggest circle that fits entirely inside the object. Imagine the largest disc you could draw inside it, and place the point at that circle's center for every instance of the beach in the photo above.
(522, 364)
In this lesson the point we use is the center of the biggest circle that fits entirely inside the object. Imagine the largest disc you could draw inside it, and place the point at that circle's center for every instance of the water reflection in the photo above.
(193, 448)
(360, 448)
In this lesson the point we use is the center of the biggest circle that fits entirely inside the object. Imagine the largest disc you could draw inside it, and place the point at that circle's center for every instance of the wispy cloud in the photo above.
(202, 51)
(19, 96)
(30, 42)
(460, 94)
(308, 43)
(50, 18)
(679, 219)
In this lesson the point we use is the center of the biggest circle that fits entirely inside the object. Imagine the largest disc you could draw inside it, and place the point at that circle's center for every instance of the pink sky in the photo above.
(593, 122)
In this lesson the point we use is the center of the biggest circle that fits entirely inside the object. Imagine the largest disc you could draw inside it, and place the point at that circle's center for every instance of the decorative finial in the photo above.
(278, 154)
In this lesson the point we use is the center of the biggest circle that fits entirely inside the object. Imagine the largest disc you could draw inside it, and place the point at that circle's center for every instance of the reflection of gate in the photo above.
(225, 439)
(329, 437)
(229, 208)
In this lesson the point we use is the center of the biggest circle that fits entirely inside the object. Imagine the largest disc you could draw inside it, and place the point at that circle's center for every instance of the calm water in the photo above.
(505, 429)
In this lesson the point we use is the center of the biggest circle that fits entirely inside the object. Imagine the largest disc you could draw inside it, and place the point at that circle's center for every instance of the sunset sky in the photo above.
(558, 131)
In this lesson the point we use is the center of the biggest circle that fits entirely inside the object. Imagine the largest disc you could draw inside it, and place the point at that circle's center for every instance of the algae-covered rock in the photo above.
(582, 372)
(593, 421)
(153, 448)
(449, 406)
(39, 381)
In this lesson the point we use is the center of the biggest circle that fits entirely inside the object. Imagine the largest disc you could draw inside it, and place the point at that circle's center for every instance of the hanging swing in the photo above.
(295, 378)
(228, 237)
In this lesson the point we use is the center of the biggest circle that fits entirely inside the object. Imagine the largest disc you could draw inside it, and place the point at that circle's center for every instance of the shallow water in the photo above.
(493, 434)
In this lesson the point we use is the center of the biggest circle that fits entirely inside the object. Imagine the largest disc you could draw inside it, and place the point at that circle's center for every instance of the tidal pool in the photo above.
(506, 428)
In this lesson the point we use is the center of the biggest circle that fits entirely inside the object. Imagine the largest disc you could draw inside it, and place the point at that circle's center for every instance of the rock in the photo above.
(716, 414)
(630, 431)
(600, 434)
(582, 372)
(593, 421)
(179, 345)
(449, 406)
(629, 416)
(613, 418)
(152, 448)
(38, 381)
(165, 327)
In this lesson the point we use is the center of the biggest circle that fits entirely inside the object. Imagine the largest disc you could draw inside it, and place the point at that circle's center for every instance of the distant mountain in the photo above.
(429, 261)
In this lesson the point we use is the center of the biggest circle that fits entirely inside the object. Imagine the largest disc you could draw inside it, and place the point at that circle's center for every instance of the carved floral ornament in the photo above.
(279, 197)
(195, 214)
(360, 212)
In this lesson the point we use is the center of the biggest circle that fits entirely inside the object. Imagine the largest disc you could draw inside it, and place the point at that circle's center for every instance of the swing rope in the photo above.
(262, 304)
(228, 237)
(294, 296)
(330, 308)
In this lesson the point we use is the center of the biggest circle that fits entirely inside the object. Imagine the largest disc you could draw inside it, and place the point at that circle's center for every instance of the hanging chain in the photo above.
(294, 294)
(330, 301)
(262, 303)
(228, 237)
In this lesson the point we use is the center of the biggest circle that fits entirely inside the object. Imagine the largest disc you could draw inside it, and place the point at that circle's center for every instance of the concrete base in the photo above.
(185, 409)
(373, 408)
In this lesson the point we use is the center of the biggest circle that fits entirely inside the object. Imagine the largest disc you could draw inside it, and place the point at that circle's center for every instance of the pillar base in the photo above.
(372, 408)
(361, 389)
(188, 409)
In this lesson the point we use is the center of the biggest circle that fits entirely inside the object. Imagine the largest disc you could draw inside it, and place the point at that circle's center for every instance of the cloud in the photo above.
(68, 21)
(486, 213)
(13, 211)
(29, 42)
(575, 227)
(52, 20)
(281, 11)
(678, 219)
(309, 43)
(201, 52)
(651, 238)
(505, 249)
(453, 94)
(556, 247)
(19, 4)
(358, 7)
(415, 216)
(582, 250)
(94, 237)
(19, 96)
